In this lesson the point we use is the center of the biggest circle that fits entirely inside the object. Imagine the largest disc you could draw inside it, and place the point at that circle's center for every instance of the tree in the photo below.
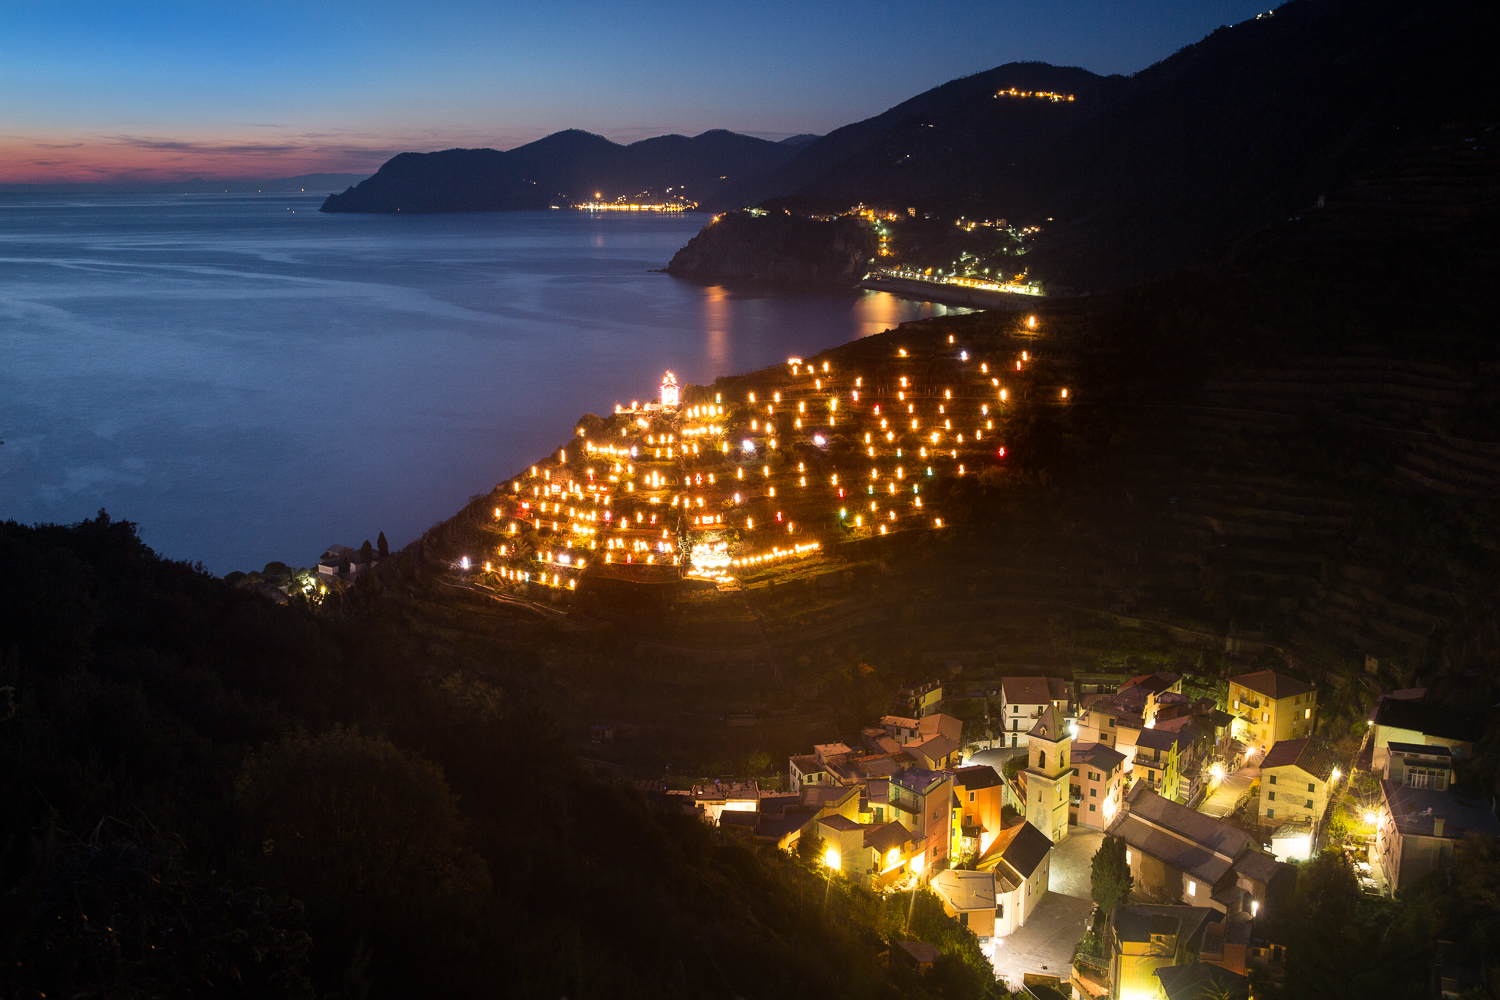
(382, 546)
(759, 762)
(1109, 875)
(810, 847)
(367, 552)
(353, 817)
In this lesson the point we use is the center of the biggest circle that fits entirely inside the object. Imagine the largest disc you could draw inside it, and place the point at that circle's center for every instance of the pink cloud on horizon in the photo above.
(156, 158)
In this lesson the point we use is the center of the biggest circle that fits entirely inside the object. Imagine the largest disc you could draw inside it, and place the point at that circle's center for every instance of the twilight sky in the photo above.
(125, 90)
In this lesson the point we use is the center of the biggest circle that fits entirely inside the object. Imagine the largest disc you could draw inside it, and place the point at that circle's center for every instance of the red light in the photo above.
(778, 515)
(1001, 453)
(1018, 366)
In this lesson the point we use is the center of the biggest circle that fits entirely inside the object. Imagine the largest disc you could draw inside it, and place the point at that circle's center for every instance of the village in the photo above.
(1210, 808)
(1102, 835)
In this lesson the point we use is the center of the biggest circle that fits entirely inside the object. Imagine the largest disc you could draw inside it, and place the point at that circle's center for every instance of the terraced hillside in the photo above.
(1289, 455)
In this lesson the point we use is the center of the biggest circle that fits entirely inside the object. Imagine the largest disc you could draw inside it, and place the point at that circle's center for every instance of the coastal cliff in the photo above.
(778, 249)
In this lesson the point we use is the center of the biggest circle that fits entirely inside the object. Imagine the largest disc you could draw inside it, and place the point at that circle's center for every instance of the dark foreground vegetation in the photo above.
(205, 794)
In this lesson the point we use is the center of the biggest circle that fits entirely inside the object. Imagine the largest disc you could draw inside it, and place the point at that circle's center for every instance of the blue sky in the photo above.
(116, 90)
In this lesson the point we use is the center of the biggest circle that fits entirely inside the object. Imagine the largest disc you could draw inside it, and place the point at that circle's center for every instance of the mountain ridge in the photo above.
(561, 168)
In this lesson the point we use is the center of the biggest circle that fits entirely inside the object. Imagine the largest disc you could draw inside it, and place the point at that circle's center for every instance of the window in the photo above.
(1271, 796)
(1000, 912)
(1307, 713)
(971, 796)
(1273, 779)
(1270, 814)
(880, 814)
(1192, 888)
(1015, 708)
(1091, 807)
(1265, 717)
(1311, 787)
(1093, 794)
(1127, 856)
(963, 920)
(1041, 758)
(1150, 774)
(1111, 723)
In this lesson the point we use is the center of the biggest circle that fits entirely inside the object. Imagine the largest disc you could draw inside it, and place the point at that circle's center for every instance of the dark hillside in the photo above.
(204, 794)
(1146, 173)
(873, 159)
(1250, 125)
(561, 168)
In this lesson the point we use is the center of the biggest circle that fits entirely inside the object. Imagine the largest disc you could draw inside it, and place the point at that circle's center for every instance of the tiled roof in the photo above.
(1312, 754)
(1138, 923)
(1027, 849)
(1415, 809)
(1030, 690)
(807, 763)
(898, 722)
(1192, 982)
(977, 776)
(941, 725)
(1163, 739)
(883, 838)
(1098, 755)
(1046, 727)
(921, 951)
(965, 890)
(932, 749)
(841, 823)
(1184, 838)
(917, 779)
(1262, 867)
(1155, 683)
(1273, 685)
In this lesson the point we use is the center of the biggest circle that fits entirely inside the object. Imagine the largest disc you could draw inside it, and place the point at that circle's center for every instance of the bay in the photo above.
(249, 379)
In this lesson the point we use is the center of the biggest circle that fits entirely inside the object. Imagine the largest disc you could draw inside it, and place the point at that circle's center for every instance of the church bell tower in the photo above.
(1047, 779)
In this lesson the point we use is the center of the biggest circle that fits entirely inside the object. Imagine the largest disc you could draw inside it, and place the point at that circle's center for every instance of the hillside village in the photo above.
(1004, 830)
(1214, 789)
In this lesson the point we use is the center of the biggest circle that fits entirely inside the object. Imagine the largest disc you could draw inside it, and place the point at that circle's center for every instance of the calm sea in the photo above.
(251, 380)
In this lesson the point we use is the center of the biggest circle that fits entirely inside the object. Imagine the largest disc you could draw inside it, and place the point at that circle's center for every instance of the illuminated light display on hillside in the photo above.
(561, 514)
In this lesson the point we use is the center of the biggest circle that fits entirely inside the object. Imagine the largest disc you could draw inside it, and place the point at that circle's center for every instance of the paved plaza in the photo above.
(1046, 942)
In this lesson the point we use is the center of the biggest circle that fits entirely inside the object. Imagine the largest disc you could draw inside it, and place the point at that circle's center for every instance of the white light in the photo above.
(819, 440)
(747, 446)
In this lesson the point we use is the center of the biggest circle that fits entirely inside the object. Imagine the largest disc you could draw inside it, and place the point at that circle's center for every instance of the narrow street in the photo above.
(1231, 790)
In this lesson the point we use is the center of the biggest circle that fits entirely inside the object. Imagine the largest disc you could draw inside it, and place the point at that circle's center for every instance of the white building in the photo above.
(1022, 700)
(670, 393)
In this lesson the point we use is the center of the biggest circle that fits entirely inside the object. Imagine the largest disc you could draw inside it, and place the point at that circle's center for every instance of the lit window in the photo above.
(1192, 888)
(1127, 856)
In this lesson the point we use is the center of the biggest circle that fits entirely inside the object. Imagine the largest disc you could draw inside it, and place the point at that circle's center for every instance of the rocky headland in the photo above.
(775, 248)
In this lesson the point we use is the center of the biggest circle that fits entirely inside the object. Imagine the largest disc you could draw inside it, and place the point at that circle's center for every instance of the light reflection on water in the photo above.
(252, 383)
